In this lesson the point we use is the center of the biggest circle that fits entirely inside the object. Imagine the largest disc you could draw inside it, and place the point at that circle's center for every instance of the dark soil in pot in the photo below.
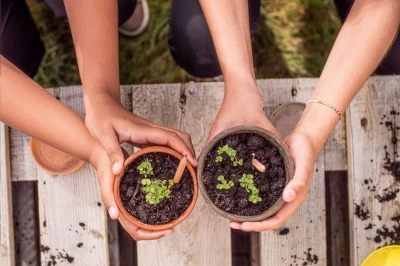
(234, 196)
(133, 194)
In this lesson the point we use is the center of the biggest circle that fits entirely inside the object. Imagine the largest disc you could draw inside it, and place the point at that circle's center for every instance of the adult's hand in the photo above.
(295, 192)
(242, 105)
(110, 124)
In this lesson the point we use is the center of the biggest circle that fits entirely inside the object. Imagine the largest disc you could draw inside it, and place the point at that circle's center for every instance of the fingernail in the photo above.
(290, 195)
(112, 212)
(116, 166)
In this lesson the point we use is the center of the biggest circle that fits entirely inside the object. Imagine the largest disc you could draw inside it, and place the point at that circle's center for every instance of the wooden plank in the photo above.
(23, 168)
(309, 220)
(373, 124)
(73, 223)
(199, 240)
(305, 242)
(7, 254)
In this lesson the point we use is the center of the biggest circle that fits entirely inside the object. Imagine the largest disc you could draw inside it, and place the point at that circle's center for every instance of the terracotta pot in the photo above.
(284, 152)
(52, 160)
(136, 221)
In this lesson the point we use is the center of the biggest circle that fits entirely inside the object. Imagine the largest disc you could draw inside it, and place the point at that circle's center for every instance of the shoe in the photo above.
(138, 22)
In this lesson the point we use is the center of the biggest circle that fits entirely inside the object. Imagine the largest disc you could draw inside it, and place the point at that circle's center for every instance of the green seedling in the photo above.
(145, 168)
(231, 153)
(223, 183)
(247, 182)
(157, 190)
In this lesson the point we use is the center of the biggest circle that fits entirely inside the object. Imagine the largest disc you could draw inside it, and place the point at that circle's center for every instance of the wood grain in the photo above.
(373, 145)
(71, 222)
(309, 219)
(7, 254)
(204, 238)
(69, 208)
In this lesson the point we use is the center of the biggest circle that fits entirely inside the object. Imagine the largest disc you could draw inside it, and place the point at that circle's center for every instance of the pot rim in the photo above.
(135, 220)
(34, 146)
(271, 138)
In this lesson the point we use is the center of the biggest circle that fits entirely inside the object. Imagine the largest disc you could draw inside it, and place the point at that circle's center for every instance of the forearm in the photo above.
(228, 22)
(361, 44)
(26, 106)
(94, 26)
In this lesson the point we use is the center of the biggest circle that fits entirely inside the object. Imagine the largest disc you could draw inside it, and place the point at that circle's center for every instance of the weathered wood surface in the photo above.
(7, 254)
(73, 222)
(203, 239)
(23, 168)
(373, 133)
(309, 220)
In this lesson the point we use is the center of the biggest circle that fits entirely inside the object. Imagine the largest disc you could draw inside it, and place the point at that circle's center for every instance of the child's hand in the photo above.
(101, 162)
(295, 193)
(112, 125)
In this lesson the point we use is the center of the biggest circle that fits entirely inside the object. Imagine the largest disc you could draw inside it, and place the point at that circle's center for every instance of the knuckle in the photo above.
(173, 135)
(113, 152)
(301, 186)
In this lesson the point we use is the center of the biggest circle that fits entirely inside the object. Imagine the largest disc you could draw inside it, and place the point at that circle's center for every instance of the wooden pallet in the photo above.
(204, 239)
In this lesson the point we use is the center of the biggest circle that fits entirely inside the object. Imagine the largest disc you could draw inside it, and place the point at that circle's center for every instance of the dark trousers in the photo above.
(19, 39)
(192, 47)
(190, 40)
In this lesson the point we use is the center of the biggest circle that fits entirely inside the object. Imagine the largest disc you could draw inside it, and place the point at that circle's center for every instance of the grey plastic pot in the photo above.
(284, 152)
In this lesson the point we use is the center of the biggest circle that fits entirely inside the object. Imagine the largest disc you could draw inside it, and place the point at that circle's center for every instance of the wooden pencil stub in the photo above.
(180, 169)
(259, 166)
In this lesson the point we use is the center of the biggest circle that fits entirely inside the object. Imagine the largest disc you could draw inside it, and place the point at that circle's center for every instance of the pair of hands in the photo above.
(111, 125)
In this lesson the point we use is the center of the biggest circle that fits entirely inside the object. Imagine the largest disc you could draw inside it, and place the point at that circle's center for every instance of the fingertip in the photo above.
(168, 232)
(117, 167)
(235, 225)
(289, 195)
(113, 212)
(193, 161)
(246, 227)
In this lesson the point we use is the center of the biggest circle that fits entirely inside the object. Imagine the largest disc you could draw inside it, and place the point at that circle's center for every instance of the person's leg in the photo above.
(19, 39)
(390, 65)
(190, 40)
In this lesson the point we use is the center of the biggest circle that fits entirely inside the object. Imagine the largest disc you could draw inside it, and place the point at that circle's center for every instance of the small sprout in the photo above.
(247, 182)
(157, 190)
(146, 181)
(145, 168)
(223, 183)
(231, 153)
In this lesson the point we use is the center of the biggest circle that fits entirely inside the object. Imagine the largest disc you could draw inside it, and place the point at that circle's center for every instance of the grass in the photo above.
(293, 39)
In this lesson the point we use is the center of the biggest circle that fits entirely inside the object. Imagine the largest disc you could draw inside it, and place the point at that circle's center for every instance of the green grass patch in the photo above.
(293, 39)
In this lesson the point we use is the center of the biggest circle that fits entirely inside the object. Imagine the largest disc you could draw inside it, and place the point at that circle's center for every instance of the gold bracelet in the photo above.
(330, 106)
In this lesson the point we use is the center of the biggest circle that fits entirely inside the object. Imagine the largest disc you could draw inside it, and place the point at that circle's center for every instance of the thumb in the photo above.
(300, 182)
(106, 182)
(114, 152)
